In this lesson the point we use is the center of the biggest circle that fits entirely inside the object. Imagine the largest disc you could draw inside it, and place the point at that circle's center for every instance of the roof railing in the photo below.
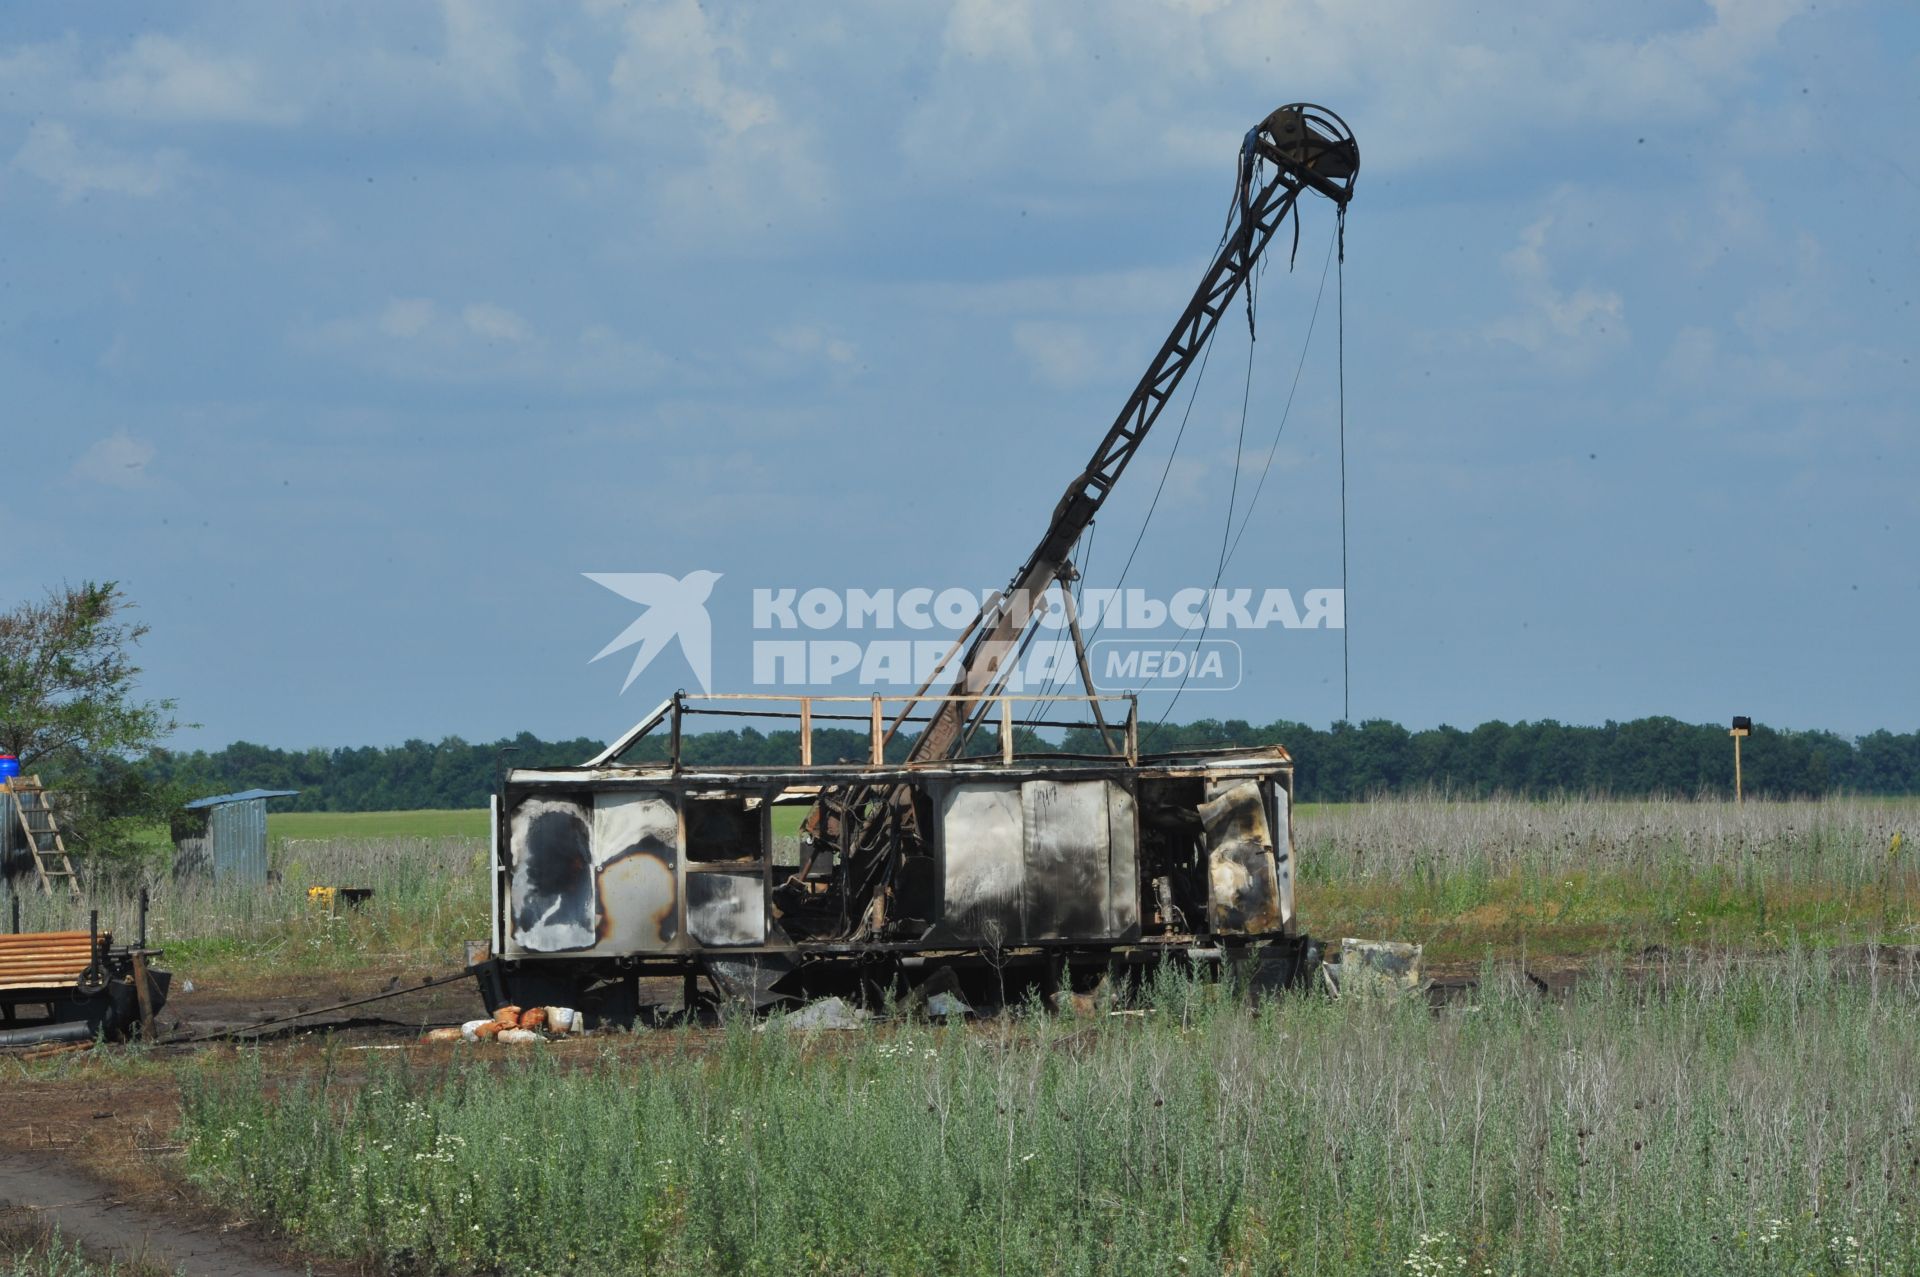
(1123, 739)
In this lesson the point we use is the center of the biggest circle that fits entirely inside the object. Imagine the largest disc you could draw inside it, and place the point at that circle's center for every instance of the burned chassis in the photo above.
(997, 874)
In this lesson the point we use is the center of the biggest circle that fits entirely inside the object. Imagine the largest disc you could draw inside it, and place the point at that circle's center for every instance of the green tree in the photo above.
(69, 710)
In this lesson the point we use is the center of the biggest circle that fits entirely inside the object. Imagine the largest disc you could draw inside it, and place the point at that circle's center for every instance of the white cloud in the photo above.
(114, 358)
(1692, 357)
(480, 343)
(1727, 217)
(482, 51)
(1783, 343)
(601, 357)
(1137, 87)
(802, 350)
(672, 59)
(119, 460)
(1157, 291)
(991, 29)
(1565, 327)
(1794, 295)
(1715, 381)
(365, 72)
(690, 90)
(403, 317)
(75, 168)
(161, 78)
(570, 83)
(815, 342)
(495, 323)
(1060, 354)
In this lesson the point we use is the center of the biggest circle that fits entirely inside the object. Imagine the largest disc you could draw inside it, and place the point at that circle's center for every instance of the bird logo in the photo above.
(676, 608)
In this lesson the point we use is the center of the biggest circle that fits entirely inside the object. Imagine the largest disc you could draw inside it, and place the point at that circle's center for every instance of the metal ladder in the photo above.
(44, 844)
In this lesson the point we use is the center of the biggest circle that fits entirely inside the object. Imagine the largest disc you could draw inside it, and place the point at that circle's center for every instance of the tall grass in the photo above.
(429, 895)
(1839, 841)
(1572, 873)
(1754, 1120)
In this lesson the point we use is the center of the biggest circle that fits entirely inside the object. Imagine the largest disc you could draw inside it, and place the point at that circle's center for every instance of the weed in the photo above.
(1675, 1127)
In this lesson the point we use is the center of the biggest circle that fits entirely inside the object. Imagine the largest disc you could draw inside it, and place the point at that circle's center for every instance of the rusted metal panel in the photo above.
(636, 851)
(727, 908)
(1244, 895)
(48, 959)
(980, 840)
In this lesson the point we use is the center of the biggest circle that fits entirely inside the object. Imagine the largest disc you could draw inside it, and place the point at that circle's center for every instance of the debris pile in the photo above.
(1374, 967)
(514, 1025)
(827, 1013)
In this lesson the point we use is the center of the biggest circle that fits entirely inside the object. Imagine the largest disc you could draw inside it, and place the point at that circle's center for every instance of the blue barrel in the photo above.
(9, 768)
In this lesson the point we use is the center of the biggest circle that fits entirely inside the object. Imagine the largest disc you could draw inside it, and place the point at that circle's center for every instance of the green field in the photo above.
(377, 824)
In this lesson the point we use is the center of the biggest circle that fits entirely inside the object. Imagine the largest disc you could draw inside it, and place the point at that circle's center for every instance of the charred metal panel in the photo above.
(1123, 864)
(553, 904)
(724, 826)
(1244, 895)
(1042, 859)
(750, 979)
(1065, 889)
(636, 837)
(980, 838)
(497, 929)
(1282, 825)
(727, 908)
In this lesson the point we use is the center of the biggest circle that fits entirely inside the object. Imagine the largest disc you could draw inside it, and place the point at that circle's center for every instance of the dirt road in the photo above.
(130, 1228)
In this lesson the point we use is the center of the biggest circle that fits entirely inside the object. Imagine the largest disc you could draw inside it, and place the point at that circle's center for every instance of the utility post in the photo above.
(1742, 726)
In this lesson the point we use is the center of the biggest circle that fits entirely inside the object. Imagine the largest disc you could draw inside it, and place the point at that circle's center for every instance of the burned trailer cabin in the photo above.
(1041, 869)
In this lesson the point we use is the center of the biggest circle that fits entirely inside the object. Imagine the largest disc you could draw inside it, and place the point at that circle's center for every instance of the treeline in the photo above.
(1343, 763)
(1644, 757)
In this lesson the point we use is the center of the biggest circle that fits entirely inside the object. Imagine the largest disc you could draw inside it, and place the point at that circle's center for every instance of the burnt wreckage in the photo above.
(1053, 866)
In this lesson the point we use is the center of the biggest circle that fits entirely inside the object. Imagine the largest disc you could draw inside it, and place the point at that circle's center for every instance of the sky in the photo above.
(350, 339)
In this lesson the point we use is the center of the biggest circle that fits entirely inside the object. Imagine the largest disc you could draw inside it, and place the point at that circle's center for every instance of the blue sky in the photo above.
(349, 339)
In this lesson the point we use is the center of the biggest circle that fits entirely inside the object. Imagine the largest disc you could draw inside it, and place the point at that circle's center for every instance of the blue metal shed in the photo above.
(236, 841)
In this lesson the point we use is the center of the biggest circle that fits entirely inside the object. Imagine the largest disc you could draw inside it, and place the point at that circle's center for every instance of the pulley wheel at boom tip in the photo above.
(1314, 142)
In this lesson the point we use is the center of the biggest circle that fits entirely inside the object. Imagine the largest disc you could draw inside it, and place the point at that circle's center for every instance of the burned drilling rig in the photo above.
(1054, 866)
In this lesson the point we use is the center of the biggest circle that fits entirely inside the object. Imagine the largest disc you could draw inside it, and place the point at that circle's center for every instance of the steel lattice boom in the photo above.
(1306, 148)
